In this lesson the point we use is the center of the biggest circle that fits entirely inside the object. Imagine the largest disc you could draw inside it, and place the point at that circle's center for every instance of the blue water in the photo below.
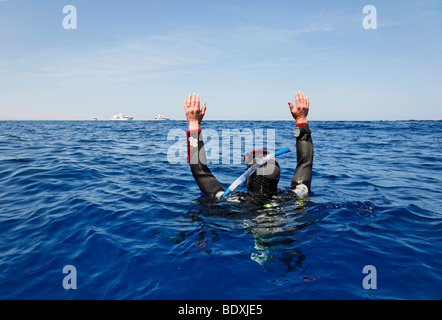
(105, 198)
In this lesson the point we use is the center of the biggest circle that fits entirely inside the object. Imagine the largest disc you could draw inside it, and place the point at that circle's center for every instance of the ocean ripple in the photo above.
(103, 197)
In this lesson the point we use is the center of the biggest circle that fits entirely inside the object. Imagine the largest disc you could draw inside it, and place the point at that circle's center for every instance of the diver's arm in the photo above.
(208, 184)
(304, 154)
(196, 153)
(302, 178)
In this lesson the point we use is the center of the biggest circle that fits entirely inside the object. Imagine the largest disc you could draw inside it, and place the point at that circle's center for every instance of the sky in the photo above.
(246, 59)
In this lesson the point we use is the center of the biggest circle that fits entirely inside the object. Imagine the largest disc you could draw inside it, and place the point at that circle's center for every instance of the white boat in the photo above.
(121, 116)
(94, 118)
(160, 117)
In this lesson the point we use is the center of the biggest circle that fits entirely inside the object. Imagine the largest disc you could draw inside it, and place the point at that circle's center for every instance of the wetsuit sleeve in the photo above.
(196, 155)
(304, 153)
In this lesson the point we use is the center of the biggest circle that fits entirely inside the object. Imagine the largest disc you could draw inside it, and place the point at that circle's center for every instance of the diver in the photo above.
(264, 181)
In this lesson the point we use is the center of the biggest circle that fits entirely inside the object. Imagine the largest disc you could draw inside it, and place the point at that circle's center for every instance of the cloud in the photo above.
(133, 60)
(166, 54)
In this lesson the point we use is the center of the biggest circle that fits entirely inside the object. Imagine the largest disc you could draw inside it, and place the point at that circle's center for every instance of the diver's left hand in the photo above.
(194, 114)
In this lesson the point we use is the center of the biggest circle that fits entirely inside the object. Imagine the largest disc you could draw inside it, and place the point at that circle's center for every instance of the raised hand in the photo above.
(300, 112)
(194, 114)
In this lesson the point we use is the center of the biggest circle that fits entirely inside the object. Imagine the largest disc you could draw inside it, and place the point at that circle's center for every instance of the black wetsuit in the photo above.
(211, 187)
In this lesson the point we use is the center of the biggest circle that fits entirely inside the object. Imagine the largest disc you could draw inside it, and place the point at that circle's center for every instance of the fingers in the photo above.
(203, 110)
(196, 100)
(189, 100)
(292, 108)
(301, 99)
(193, 102)
(298, 98)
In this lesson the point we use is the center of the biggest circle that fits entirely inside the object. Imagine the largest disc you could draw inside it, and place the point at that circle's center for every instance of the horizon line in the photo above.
(315, 120)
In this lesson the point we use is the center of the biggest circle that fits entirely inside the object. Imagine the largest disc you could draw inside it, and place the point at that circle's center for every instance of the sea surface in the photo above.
(116, 204)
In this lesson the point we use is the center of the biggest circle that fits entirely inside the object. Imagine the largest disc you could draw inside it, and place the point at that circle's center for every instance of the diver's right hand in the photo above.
(300, 112)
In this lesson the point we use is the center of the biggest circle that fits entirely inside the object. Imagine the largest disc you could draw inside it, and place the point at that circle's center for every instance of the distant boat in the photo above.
(94, 118)
(122, 116)
(160, 117)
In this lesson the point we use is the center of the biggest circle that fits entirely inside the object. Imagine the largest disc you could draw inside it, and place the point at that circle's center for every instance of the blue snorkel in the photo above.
(252, 169)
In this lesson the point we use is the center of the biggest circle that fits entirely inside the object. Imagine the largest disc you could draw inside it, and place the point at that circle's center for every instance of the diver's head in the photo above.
(265, 179)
